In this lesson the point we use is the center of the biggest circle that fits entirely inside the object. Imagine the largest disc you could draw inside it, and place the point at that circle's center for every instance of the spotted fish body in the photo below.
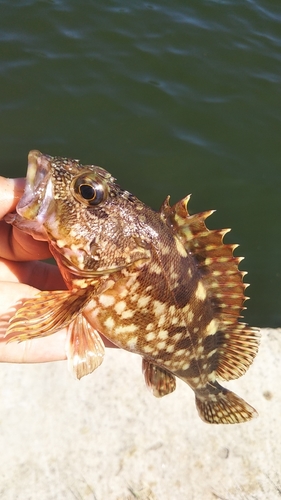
(158, 284)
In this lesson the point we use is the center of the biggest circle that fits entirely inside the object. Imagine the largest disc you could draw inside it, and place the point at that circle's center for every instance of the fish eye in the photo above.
(88, 190)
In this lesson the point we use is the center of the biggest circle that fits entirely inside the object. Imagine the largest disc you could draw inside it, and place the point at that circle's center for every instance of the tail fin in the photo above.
(224, 407)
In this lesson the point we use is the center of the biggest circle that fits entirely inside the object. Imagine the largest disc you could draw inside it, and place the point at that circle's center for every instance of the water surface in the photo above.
(171, 97)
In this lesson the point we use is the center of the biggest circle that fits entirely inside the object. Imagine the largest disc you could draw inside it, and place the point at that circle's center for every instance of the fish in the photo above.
(159, 284)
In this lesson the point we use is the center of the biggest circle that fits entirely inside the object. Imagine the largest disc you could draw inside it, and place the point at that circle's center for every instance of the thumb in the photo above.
(11, 191)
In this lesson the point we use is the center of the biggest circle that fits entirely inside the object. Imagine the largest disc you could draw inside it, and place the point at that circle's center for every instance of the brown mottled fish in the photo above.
(158, 284)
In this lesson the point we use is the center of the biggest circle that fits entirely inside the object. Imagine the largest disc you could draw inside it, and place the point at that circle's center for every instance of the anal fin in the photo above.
(217, 405)
(159, 381)
(85, 348)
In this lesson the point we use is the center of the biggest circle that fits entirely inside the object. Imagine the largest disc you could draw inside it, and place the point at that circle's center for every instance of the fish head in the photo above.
(88, 220)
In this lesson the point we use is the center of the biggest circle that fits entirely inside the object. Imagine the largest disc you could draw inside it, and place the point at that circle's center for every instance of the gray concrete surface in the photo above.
(107, 438)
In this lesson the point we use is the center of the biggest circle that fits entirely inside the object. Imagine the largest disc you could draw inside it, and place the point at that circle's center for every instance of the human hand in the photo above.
(22, 275)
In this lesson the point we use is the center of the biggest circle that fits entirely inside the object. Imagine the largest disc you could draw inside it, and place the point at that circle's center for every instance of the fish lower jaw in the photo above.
(36, 204)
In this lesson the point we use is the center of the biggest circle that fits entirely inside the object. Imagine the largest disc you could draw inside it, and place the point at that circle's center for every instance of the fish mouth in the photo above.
(38, 192)
(36, 204)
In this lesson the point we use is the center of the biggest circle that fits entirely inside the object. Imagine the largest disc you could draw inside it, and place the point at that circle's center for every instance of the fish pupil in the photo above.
(87, 192)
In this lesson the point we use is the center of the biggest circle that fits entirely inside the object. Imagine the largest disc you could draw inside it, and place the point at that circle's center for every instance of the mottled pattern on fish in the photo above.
(158, 284)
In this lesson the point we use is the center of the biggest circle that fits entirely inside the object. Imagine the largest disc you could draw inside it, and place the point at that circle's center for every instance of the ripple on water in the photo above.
(172, 83)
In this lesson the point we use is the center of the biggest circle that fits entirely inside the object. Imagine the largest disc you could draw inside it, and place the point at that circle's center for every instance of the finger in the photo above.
(16, 245)
(37, 350)
(47, 349)
(38, 274)
(11, 191)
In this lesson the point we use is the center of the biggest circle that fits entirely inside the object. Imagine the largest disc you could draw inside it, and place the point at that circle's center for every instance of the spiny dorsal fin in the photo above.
(237, 343)
(215, 259)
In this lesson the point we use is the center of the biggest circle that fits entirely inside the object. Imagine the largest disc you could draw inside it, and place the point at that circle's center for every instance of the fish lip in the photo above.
(37, 188)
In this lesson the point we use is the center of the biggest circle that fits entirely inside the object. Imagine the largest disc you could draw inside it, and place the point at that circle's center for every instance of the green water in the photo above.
(171, 97)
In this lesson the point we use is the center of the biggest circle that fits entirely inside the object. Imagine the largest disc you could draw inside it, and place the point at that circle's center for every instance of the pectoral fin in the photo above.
(85, 348)
(158, 380)
(46, 313)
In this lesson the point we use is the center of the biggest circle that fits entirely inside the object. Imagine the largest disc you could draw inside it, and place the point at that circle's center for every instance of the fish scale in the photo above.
(159, 284)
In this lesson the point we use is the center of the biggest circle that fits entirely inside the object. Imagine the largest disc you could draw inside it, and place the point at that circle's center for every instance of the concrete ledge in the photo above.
(107, 438)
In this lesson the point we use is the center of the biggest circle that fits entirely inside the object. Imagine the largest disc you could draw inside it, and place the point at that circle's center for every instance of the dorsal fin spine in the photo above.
(223, 282)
